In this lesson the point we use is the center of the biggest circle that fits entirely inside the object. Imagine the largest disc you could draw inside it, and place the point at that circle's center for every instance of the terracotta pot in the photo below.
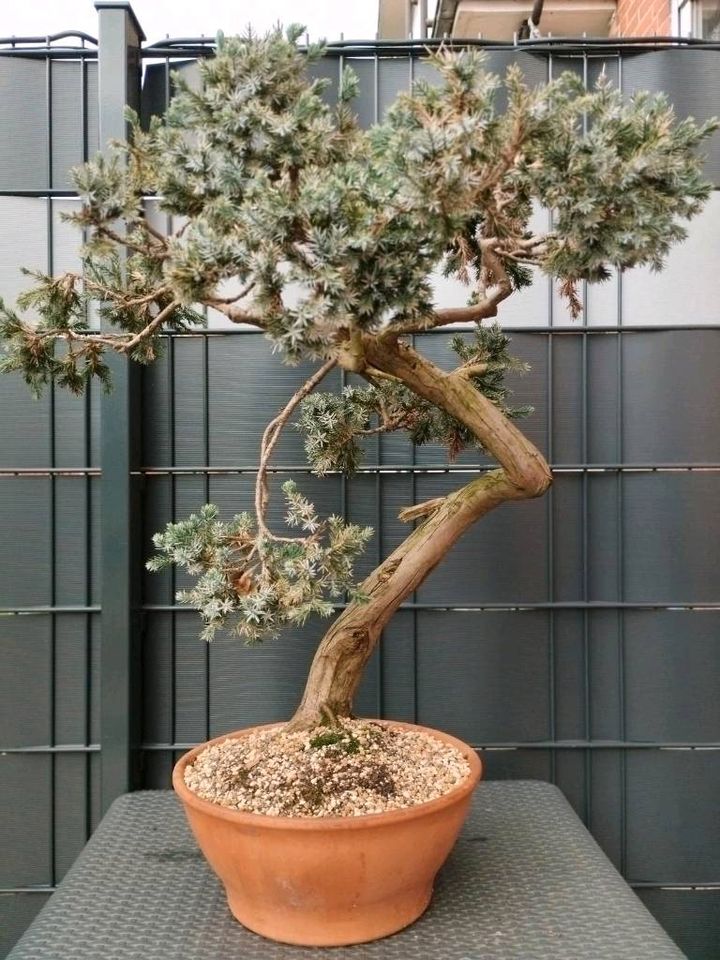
(329, 881)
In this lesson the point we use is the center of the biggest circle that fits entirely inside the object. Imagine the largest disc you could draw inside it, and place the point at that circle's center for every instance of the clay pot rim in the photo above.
(265, 821)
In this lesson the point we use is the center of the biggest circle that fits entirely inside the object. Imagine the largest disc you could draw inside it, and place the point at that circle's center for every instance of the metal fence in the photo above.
(575, 639)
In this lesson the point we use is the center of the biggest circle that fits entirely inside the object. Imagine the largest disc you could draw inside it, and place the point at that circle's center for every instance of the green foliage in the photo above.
(333, 227)
(617, 174)
(59, 345)
(37, 357)
(618, 191)
(254, 583)
(332, 425)
(332, 233)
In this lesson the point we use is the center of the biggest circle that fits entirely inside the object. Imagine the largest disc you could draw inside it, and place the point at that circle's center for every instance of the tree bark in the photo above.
(343, 652)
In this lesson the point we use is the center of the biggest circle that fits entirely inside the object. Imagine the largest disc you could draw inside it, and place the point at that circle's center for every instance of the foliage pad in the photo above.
(256, 584)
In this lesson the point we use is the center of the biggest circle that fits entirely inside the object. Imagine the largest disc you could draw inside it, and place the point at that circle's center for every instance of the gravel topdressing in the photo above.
(362, 768)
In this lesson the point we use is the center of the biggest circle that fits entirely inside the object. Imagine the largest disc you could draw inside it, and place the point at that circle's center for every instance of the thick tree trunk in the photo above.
(346, 647)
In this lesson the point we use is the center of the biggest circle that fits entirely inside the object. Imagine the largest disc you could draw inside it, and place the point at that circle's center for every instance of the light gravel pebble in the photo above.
(369, 769)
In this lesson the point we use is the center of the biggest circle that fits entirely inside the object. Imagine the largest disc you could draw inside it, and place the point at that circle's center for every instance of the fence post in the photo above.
(120, 36)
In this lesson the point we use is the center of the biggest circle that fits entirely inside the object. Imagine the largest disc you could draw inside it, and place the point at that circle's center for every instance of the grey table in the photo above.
(526, 882)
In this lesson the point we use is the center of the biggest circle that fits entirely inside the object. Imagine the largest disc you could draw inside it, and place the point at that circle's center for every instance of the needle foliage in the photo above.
(290, 217)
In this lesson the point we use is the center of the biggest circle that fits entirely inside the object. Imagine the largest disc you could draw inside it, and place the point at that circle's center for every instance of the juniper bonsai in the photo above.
(323, 235)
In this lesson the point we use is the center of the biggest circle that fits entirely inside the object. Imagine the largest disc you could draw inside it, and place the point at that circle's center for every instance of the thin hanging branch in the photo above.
(270, 438)
(222, 301)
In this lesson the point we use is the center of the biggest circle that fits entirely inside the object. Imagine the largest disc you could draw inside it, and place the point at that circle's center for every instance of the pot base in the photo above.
(317, 928)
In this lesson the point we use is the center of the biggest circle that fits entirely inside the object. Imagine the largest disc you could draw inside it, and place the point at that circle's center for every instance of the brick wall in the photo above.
(641, 18)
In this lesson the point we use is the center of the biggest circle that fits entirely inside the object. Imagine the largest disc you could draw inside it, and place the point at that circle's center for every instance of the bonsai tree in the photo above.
(325, 236)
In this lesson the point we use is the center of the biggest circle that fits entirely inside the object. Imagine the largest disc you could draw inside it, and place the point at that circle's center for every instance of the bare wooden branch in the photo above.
(269, 439)
(372, 373)
(469, 370)
(214, 301)
(122, 241)
(235, 312)
(347, 646)
(496, 285)
(117, 342)
(145, 225)
(527, 250)
(152, 327)
(71, 336)
(419, 510)
(523, 463)
(107, 293)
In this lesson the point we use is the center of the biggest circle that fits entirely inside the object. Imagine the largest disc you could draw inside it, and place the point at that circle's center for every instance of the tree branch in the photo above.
(529, 250)
(345, 649)
(269, 439)
(152, 327)
(117, 342)
(234, 312)
(129, 244)
(470, 369)
(71, 336)
(149, 229)
(226, 300)
(418, 510)
(347, 646)
(523, 464)
(493, 272)
(115, 295)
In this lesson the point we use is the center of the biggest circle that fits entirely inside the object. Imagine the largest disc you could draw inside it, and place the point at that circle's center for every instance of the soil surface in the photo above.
(362, 767)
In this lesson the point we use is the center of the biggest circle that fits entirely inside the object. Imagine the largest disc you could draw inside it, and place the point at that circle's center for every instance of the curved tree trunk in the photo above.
(343, 652)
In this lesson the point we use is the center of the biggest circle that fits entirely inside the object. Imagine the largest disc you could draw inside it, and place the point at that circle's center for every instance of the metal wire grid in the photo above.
(49, 195)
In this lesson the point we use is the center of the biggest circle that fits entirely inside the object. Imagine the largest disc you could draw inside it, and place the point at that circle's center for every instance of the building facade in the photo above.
(506, 20)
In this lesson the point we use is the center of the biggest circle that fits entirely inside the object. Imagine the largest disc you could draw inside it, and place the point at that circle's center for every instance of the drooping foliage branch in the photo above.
(262, 583)
(290, 217)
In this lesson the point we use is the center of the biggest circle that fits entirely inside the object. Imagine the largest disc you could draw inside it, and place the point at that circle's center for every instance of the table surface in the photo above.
(526, 881)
